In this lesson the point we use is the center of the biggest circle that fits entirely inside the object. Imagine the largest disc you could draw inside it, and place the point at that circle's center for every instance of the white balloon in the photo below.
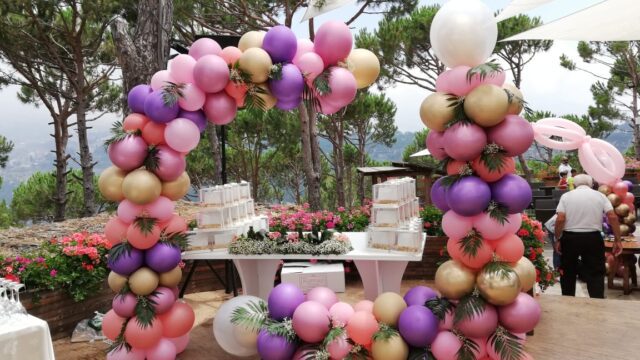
(245, 337)
(464, 32)
(223, 329)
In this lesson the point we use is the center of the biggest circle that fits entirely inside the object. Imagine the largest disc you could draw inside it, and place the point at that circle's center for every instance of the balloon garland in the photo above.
(148, 150)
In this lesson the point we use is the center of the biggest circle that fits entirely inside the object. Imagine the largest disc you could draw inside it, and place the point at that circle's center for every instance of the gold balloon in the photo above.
(497, 288)
(517, 101)
(251, 39)
(364, 66)
(454, 280)
(624, 230)
(487, 105)
(622, 210)
(143, 282)
(141, 187)
(629, 219)
(388, 307)
(605, 189)
(116, 281)
(178, 188)
(435, 111)
(171, 278)
(245, 337)
(614, 199)
(110, 183)
(257, 63)
(393, 348)
(266, 96)
(526, 272)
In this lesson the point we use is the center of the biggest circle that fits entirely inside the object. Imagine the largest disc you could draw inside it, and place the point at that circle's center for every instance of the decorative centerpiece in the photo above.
(316, 242)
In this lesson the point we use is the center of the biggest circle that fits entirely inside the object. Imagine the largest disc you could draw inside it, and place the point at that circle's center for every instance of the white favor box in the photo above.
(213, 196)
(387, 193)
(409, 240)
(213, 218)
(308, 276)
(381, 240)
(245, 190)
(386, 215)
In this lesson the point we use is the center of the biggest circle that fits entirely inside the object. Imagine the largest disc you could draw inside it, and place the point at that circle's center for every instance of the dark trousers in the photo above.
(588, 246)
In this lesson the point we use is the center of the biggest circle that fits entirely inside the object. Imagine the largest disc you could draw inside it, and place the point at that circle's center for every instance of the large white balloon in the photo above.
(464, 32)
(224, 331)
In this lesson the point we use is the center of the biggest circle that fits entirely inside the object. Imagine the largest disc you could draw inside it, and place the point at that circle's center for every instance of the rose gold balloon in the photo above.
(171, 278)
(629, 219)
(487, 105)
(266, 96)
(388, 307)
(526, 273)
(365, 66)
(436, 112)
(178, 188)
(622, 210)
(143, 282)
(251, 39)
(517, 100)
(141, 187)
(110, 183)
(256, 62)
(454, 280)
(624, 230)
(614, 199)
(116, 281)
(497, 288)
(605, 189)
(393, 348)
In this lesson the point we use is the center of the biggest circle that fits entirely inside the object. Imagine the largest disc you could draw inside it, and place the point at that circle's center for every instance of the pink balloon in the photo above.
(128, 153)
(310, 65)
(323, 295)
(454, 81)
(509, 248)
(333, 42)
(447, 322)
(304, 352)
(435, 144)
(115, 230)
(327, 108)
(492, 355)
(204, 46)
(128, 211)
(220, 108)
(482, 347)
(171, 164)
(123, 354)
(180, 342)
(446, 346)
(176, 291)
(231, 54)
(304, 46)
(490, 228)
(514, 134)
(514, 221)
(364, 305)
(339, 348)
(620, 189)
(343, 88)
(160, 79)
(182, 135)
(181, 68)
(162, 209)
(192, 98)
(571, 133)
(629, 198)
(311, 321)
(164, 350)
(455, 225)
(164, 299)
(522, 315)
(340, 313)
(482, 257)
(464, 142)
(480, 325)
(124, 305)
(211, 73)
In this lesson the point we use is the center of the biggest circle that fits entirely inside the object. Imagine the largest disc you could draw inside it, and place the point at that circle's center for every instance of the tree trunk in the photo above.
(338, 158)
(311, 175)
(147, 51)
(61, 136)
(215, 153)
(636, 130)
(361, 163)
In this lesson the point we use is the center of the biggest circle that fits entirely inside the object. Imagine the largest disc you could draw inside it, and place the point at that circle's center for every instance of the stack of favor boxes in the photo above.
(395, 224)
(227, 211)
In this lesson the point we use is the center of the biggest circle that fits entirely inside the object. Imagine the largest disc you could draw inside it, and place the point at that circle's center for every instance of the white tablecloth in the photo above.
(26, 339)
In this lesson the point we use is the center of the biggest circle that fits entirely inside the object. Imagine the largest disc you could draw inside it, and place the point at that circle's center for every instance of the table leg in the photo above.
(380, 276)
(257, 275)
(612, 273)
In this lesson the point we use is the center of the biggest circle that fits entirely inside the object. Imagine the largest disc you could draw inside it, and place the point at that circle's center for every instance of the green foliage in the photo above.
(470, 306)
(418, 144)
(33, 199)
(432, 220)
(252, 317)
(6, 146)
(533, 236)
(6, 216)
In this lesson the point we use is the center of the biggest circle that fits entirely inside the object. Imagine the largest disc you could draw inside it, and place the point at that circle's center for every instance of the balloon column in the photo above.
(476, 130)
(148, 152)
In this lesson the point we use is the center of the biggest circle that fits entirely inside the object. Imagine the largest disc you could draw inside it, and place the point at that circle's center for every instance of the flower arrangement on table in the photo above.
(76, 264)
(532, 235)
(284, 218)
(432, 220)
(315, 242)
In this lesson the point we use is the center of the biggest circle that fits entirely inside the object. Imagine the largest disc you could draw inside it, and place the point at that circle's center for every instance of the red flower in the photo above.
(523, 233)
(12, 277)
(549, 276)
(532, 256)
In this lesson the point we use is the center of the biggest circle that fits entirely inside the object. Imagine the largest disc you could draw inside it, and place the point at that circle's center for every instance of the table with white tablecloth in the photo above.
(25, 338)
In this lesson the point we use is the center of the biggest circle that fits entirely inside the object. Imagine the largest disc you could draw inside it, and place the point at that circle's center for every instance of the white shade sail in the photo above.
(517, 7)
(612, 20)
(314, 10)
(424, 152)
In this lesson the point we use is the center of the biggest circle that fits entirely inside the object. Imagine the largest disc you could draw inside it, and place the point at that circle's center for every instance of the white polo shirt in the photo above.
(583, 208)
(564, 168)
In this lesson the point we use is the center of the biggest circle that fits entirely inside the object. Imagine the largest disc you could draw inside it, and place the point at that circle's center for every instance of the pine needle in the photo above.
(118, 133)
(471, 243)
(283, 329)
(384, 333)
(178, 240)
(470, 306)
(145, 310)
(420, 354)
(171, 93)
(120, 341)
(506, 344)
(276, 72)
(439, 306)
(468, 349)
(333, 334)
(252, 99)
(448, 181)
(459, 116)
(498, 212)
(310, 99)
(145, 224)
(490, 68)
(502, 269)
(493, 157)
(152, 161)
(321, 83)
(253, 317)
(119, 250)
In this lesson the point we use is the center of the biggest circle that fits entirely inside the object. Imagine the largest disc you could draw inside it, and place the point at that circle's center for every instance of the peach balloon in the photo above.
(480, 168)
(115, 230)
(510, 248)
(142, 240)
(364, 305)
(134, 121)
(178, 320)
(181, 68)
(620, 189)
(231, 54)
(361, 327)
(153, 133)
(143, 337)
(160, 79)
(340, 313)
(112, 324)
(454, 167)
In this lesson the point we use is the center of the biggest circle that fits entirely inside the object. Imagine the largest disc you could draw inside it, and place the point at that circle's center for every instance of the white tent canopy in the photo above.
(424, 152)
(517, 7)
(612, 20)
(314, 10)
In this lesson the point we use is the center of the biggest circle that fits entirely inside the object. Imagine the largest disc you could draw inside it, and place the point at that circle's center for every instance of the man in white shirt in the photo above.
(578, 232)
(564, 167)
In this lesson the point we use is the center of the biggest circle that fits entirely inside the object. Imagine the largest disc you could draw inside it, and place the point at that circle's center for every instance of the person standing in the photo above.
(578, 235)
(562, 184)
(564, 166)
(570, 180)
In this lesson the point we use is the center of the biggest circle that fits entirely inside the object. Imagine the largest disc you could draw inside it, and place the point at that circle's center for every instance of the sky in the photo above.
(546, 85)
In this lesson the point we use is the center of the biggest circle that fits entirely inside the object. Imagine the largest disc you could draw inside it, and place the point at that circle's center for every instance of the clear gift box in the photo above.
(242, 210)
(386, 215)
(223, 238)
(408, 240)
(234, 213)
(213, 218)
(213, 196)
(251, 208)
(381, 240)
(387, 193)
(245, 190)
(198, 240)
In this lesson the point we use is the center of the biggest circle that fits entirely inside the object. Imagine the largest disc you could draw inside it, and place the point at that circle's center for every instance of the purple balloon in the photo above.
(163, 298)
(274, 347)
(156, 109)
(287, 105)
(124, 305)
(513, 192)
(280, 43)
(418, 326)
(283, 301)
(629, 185)
(469, 196)
(128, 153)
(418, 295)
(439, 195)
(290, 85)
(514, 134)
(171, 164)
(137, 97)
(464, 142)
(435, 144)
(162, 257)
(197, 117)
(127, 262)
